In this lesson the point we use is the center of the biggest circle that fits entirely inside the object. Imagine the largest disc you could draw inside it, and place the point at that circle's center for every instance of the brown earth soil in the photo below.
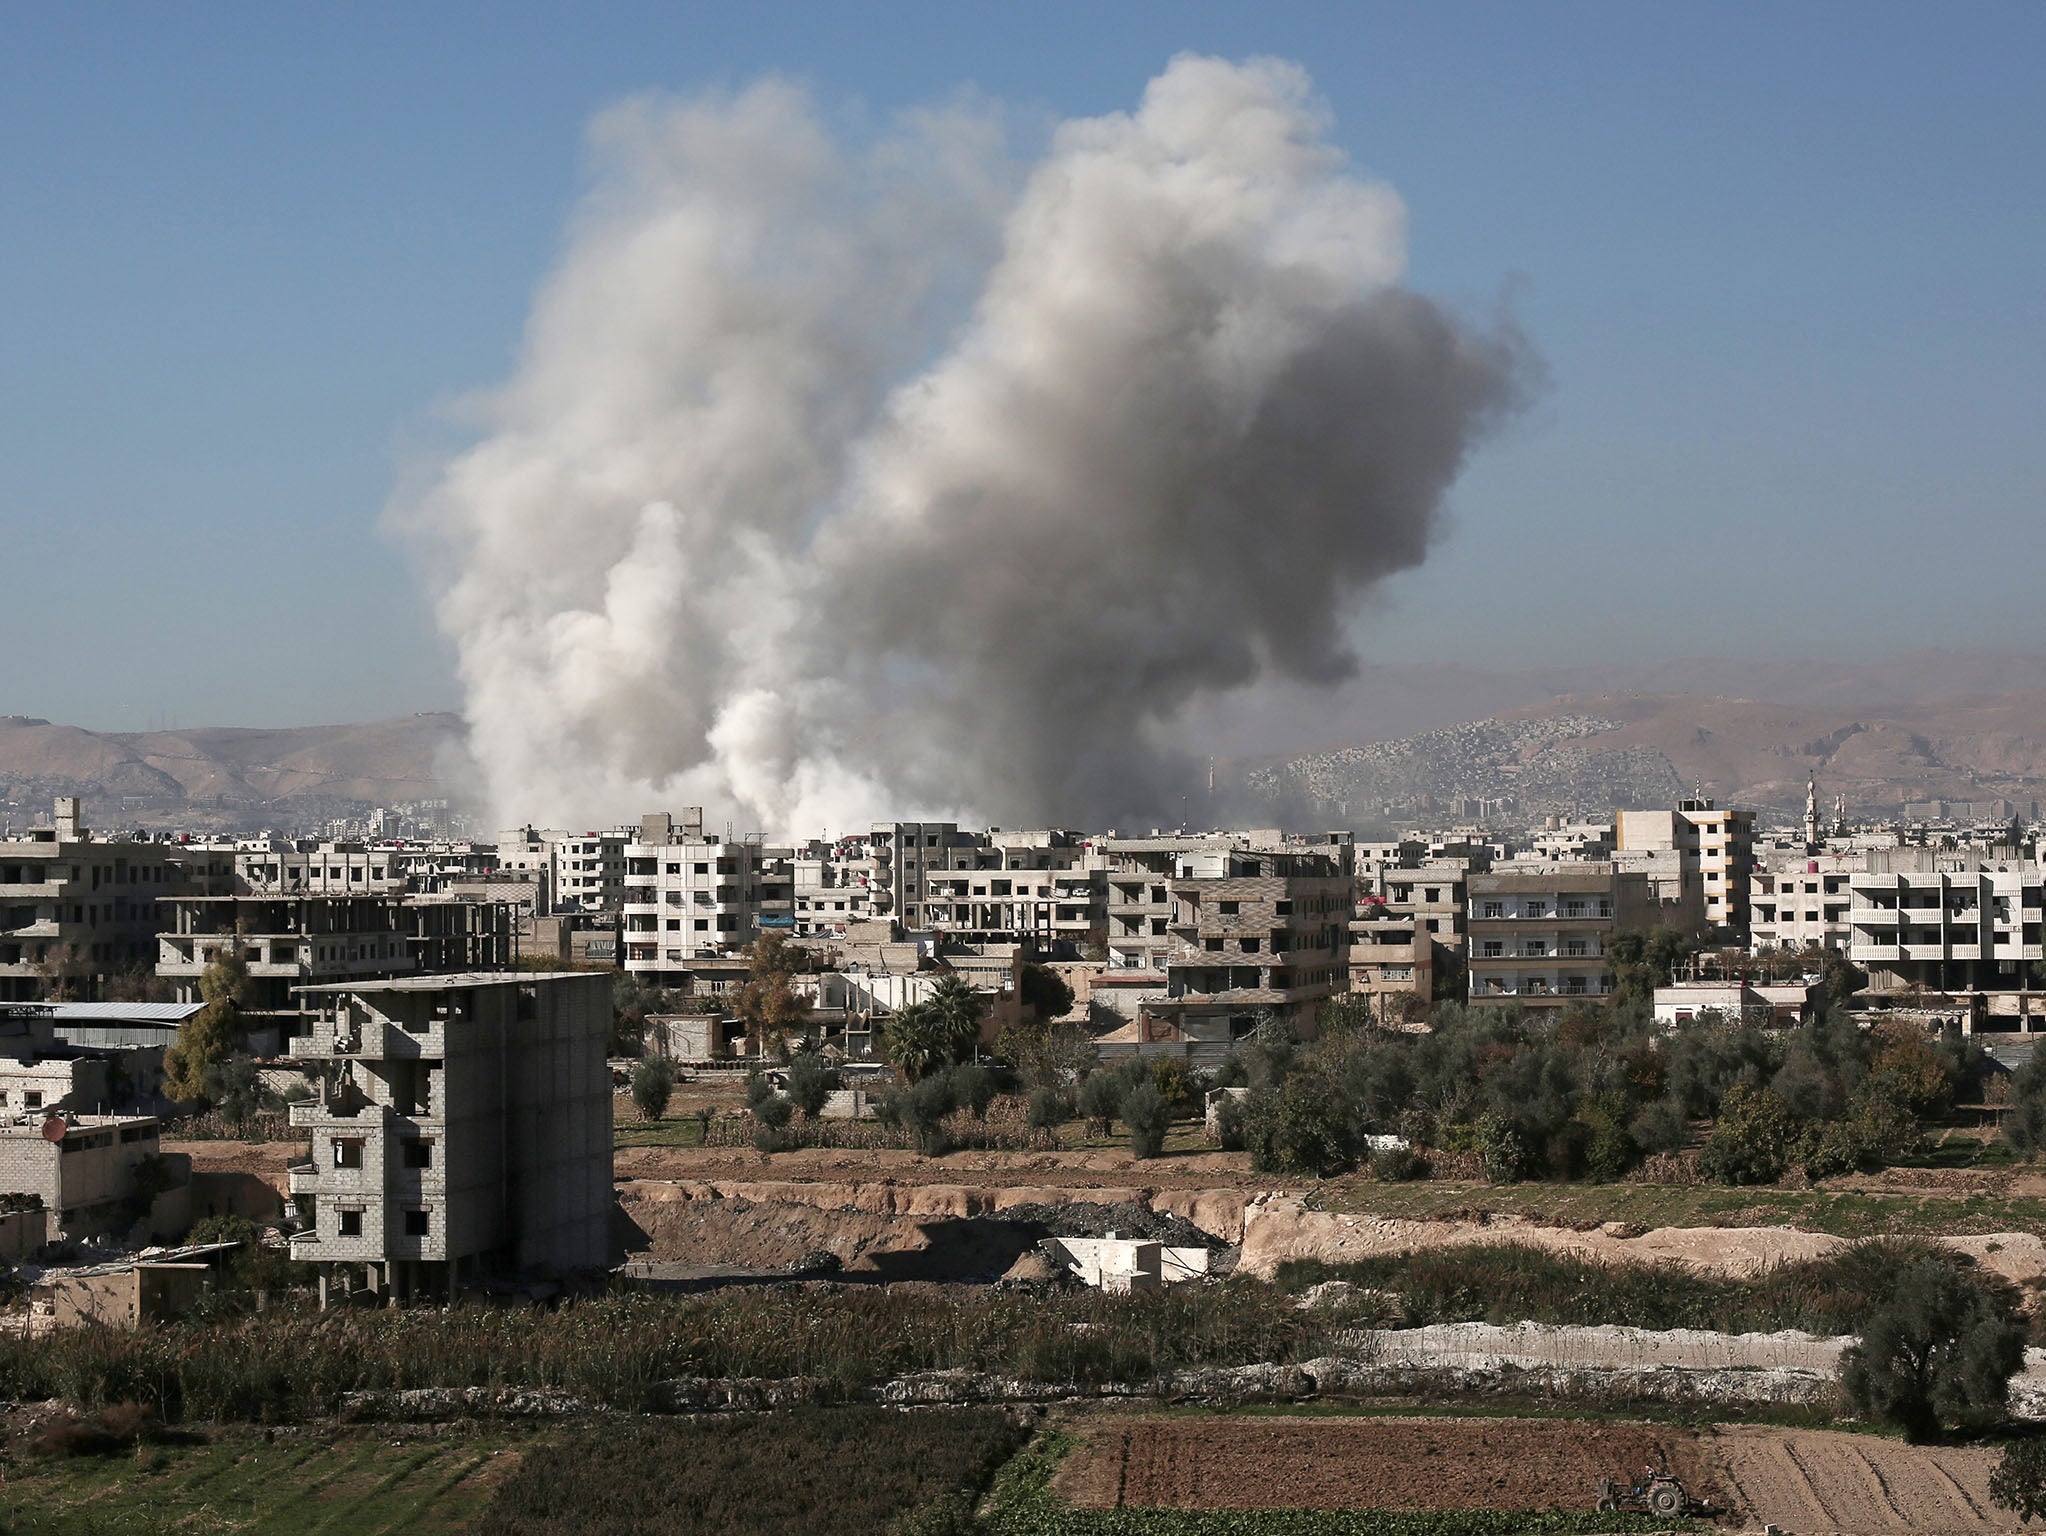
(1366, 1463)
(1818, 1481)
(845, 1164)
(267, 1160)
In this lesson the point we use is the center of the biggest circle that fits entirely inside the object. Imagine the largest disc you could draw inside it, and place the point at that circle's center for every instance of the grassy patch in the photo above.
(1023, 1504)
(1513, 1283)
(1843, 1213)
(838, 1470)
(349, 1482)
(685, 1131)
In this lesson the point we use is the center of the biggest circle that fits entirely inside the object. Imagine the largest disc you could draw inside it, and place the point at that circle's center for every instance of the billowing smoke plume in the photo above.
(753, 529)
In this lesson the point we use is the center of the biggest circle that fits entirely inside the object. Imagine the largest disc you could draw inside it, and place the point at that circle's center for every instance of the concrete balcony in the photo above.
(1873, 917)
(303, 1178)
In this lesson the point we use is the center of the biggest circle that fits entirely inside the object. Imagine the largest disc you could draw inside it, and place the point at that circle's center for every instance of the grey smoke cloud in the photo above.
(763, 522)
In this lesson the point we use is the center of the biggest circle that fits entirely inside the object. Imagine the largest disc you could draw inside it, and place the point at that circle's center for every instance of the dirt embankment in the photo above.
(874, 1206)
(1276, 1230)
(1090, 1169)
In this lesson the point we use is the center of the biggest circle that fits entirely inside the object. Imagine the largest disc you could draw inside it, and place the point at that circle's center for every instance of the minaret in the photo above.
(1840, 814)
(1811, 814)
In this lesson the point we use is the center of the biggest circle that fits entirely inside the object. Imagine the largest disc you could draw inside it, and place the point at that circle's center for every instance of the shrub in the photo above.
(2019, 1482)
(1229, 1123)
(1100, 1101)
(1659, 1127)
(1398, 1165)
(1301, 1127)
(1048, 1110)
(116, 1428)
(653, 1084)
(973, 1089)
(812, 1081)
(921, 1109)
(1939, 1349)
(774, 1112)
(1753, 1139)
(1148, 1116)
(758, 1089)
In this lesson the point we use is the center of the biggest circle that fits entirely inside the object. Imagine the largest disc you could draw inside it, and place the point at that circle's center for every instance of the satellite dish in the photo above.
(55, 1127)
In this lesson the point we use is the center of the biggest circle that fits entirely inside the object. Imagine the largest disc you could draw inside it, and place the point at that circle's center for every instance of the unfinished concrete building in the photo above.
(463, 1125)
(76, 909)
(291, 941)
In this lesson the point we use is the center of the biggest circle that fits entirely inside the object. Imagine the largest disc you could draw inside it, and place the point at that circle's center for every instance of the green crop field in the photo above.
(350, 1482)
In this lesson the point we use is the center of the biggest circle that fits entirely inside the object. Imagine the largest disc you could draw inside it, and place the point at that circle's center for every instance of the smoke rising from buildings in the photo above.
(839, 482)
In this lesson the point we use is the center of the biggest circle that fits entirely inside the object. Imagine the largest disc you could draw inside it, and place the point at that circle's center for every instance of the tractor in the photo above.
(1659, 1493)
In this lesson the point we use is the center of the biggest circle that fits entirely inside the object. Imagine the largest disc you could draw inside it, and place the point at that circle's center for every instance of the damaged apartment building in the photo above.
(462, 1127)
(77, 909)
(1209, 936)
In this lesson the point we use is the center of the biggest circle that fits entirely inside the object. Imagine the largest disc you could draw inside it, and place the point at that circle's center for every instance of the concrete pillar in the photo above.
(323, 1287)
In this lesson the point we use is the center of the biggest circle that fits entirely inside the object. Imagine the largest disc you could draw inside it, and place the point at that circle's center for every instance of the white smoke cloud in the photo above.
(750, 529)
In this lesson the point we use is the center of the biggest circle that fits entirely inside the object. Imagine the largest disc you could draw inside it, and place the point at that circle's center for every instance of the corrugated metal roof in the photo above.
(103, 1013)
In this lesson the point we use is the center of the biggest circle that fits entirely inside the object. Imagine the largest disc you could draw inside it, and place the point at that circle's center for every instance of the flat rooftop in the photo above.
(444, 981)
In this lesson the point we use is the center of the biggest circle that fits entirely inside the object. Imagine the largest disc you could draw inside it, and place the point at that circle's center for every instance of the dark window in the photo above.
(418, 1153)
(348, 1154)
(416, 1224)
(351, 1223)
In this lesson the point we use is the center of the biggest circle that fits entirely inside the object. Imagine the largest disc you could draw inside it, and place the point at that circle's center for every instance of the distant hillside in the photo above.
(223, 777)
(1588, 753)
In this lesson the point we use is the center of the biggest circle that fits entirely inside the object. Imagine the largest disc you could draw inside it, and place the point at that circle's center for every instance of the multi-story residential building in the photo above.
(904, 852)
(688, 899)
(1949, 922)
(315, 869)
(589, 869)
(1714, 841)
(76, 909)
(1006, 887)
(529, 852)
(1800, 900)
(1538, 937)
(833, 887)
(1392, 959)
(1252, 932)
(463, 1124)
(1431, 891)
(290, 941)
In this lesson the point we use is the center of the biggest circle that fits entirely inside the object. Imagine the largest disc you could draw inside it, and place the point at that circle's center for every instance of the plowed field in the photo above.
(1364, 1463)
(1817, 1481)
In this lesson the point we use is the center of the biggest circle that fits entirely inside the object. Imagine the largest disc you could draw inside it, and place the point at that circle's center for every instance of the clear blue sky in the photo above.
(1787, 264)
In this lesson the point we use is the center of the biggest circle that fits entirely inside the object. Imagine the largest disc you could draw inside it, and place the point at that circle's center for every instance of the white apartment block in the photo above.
(589, 869)
(1800, 900)
(1715, 842)
(1947, 922)
(76, 908)
(315, 869)
(1430, 891)
(1538, 937)
(693, 899)
(463, 1125)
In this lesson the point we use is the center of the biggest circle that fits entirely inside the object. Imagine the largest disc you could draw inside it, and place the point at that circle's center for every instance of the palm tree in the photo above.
(928, 1036)
(962, 1008)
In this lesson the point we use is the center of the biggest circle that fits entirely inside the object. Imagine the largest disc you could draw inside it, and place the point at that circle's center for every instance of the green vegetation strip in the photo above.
(1842, 1213)
(1513, 1283)
(1023, 1504)
(848, 1471)
(303, 1484)
(623, 1350)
